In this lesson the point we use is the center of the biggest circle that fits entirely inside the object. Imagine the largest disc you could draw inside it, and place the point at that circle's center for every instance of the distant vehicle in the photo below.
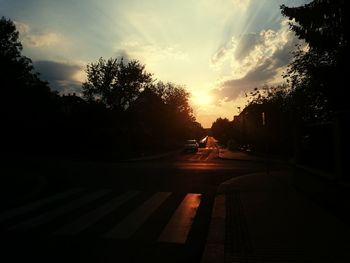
(191, 146)
(203, 142)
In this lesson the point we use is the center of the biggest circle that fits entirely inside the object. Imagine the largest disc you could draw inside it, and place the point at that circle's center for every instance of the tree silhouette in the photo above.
(179, 112)
(222, 130)
(176, 98)
(320, 71)
(11, 47)
(274, 103)
(147, 121)
(28, 108)
(115, 83)
(25, 93)
(120, 101)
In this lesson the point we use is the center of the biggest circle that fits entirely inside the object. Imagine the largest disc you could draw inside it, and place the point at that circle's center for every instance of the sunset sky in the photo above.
(218, 49)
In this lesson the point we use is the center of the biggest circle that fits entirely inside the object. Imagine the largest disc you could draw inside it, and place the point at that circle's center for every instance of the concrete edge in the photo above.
(220, 149)
(214, 250)
(223, 187)
(254, 159)
(241, 160)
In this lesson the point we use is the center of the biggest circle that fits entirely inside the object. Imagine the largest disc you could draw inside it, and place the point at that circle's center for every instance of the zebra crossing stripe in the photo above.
(29, 207)
(94, 216)
(179, 225)
(128, 226)
(52, 214)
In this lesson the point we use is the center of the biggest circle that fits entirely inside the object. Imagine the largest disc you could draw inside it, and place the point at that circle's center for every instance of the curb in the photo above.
(256, 159)
(214, 250)
(241, 159)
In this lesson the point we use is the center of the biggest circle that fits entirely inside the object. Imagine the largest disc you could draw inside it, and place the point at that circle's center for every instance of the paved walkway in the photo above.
(262, 218)
(237, 155)
(226, 154)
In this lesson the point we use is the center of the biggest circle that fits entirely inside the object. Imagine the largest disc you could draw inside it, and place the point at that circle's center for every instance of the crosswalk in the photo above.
(107, 214)
(203, 154)
(130, 224)
(178, 227)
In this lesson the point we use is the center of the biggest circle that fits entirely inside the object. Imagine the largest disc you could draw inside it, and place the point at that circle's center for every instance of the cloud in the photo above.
(152, 52)
(242, 4)
(62, 77)
(38, 39)
(237, 48)
(167, 62)
(255, 59)
(223, 53)
(123, 54)
(246, 44)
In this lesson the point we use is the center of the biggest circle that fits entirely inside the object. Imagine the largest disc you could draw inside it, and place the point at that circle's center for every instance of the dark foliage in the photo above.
(320, 71)
(307, 117)
(122, 113)
(27, 104)
(222, 130)
(264, 122)
(115, 83)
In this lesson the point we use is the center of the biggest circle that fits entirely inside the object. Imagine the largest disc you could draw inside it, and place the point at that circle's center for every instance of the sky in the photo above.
(218, 49)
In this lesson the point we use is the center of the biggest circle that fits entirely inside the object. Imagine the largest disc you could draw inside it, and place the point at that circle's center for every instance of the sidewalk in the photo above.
(226, 154)
(238, 155)
(262, 218)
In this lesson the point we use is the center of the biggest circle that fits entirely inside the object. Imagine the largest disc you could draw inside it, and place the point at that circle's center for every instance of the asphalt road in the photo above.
(131, 211)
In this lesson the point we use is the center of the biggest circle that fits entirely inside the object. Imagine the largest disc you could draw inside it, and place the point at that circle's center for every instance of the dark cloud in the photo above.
(232, 89)
(284, 54)
(122, 53)
(219, 54)
(257, 77)
(263, 73)
(51, 70)
(59, 75)
(246, 44)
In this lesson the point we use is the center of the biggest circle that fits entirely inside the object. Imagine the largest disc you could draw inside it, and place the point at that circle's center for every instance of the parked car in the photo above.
(191, 146)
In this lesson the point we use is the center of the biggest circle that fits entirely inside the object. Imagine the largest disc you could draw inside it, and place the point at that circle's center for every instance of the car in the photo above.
(203, 142)
(191, 146)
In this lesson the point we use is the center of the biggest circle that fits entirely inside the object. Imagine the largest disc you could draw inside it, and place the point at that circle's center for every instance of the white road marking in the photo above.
(127, 227)
(178, 227)
(52, 214)
(94, 216)
(29, 207)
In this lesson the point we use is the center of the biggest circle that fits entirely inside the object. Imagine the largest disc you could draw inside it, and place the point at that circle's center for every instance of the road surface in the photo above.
(144, 211)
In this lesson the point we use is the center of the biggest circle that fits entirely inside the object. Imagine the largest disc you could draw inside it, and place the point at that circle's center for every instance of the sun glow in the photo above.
(202, 98)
